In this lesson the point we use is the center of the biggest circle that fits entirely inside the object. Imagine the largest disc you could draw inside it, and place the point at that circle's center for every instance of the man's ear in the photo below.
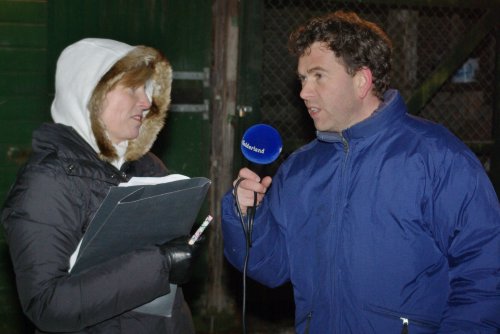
(363, 81)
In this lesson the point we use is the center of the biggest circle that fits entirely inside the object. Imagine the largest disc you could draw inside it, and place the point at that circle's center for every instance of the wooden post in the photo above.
(224, 82)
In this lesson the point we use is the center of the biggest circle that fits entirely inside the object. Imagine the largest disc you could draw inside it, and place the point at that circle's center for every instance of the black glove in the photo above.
(180, 257)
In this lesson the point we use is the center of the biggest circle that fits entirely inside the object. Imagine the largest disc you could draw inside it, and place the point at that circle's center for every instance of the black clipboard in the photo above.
(135, 217)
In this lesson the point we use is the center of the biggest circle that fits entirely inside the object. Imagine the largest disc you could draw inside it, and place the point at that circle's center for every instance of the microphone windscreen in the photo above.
(261, 144)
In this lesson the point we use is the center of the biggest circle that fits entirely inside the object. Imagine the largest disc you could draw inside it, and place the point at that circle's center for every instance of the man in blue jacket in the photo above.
(385, 223)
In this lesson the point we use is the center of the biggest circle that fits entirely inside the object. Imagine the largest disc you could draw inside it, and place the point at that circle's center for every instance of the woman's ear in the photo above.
(363, 81)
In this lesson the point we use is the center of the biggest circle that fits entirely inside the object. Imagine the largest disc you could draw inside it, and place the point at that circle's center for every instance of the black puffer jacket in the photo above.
(45, 216)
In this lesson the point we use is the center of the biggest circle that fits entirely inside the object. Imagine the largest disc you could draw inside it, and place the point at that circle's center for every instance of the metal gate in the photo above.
(443, 64)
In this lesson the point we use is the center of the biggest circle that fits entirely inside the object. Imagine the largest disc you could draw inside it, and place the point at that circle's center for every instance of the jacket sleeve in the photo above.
(467, 216)
(268, 262)
(42, 219)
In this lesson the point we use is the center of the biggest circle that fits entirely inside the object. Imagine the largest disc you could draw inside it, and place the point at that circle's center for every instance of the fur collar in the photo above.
(154, 119)
(85, 72)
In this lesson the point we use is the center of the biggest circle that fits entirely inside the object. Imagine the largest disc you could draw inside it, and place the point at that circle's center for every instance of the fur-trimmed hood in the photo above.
(79, 70)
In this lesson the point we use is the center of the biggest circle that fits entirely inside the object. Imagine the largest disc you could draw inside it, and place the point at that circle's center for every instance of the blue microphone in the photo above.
(261, 144)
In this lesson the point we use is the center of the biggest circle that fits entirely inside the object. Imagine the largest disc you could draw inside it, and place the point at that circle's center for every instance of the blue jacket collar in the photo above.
(392, 108)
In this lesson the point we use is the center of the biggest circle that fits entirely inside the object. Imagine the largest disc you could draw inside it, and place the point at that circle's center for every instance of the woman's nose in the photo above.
(143, 99)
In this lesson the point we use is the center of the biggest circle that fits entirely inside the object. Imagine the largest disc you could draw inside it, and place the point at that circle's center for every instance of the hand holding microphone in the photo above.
(250, 184)
(261, 144)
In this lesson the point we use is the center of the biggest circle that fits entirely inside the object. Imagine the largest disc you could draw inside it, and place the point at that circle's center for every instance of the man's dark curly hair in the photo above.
(359, 43)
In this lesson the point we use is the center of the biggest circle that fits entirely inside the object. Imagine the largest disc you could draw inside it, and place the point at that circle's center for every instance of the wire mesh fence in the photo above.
(422, 37)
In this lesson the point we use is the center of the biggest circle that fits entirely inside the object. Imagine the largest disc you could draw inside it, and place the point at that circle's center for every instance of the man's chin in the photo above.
(325, 129)
(320, 128)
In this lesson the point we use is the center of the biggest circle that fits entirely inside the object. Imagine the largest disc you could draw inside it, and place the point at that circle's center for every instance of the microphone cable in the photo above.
(247, 224)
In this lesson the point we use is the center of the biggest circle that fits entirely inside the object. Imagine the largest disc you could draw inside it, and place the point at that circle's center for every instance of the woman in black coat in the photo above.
(110, 103)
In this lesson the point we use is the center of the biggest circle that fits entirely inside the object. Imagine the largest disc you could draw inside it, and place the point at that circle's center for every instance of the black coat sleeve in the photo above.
(42, 218)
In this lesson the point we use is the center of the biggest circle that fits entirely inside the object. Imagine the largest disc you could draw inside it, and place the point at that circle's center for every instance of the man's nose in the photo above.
(306, 92)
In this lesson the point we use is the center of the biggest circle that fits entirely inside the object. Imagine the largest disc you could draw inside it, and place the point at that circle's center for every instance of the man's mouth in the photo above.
(313, 110)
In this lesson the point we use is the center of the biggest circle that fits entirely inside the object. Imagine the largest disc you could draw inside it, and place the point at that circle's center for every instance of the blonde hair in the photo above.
(135, 69)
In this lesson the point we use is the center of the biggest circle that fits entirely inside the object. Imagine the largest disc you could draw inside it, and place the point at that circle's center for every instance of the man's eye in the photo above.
(318, 76)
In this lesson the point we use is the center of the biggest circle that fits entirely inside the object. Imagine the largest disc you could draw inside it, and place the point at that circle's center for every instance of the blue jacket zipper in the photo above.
(406, 322)
(338, 214)
(405, 319)
(308, 322)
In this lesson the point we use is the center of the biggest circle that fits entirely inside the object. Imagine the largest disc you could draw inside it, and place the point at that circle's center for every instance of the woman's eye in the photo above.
(129, 90)
(140, 89)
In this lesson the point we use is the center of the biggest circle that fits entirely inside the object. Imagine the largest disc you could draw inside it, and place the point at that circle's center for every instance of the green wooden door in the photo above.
(32, 35)
(181, 30)
(23, 106)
